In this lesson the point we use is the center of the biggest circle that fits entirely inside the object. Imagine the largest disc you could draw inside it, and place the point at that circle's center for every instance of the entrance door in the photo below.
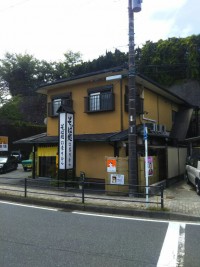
(47, 167)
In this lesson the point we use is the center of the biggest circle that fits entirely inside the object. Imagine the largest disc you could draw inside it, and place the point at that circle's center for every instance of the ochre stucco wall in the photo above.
(90, 158)
(158, 108)
(99, 122)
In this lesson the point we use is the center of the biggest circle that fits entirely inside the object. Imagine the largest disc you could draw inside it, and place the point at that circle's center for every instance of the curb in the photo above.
(161, 215)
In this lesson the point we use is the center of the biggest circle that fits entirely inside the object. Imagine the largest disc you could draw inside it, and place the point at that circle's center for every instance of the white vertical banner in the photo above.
(146, 164)
(62, 141)
(70, 141)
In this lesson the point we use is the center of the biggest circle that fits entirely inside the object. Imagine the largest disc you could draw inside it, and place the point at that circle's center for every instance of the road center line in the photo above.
(28, 206)
(173, 249)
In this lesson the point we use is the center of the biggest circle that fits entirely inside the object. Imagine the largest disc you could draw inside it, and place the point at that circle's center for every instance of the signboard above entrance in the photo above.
(3, 143)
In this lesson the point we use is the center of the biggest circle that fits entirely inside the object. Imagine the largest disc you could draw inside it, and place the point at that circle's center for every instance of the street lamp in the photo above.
(133, 6)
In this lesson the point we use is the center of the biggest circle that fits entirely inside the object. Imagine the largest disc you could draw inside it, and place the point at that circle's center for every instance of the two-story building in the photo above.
(99, 102)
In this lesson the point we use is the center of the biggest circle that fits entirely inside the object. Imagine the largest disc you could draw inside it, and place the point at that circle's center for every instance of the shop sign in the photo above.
(3, 143)
(66, 141)
(70, 140)
(62, 141)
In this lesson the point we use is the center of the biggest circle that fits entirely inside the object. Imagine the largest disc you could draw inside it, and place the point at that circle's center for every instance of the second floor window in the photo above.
(57, 102)
(94, 102)
(100, 99)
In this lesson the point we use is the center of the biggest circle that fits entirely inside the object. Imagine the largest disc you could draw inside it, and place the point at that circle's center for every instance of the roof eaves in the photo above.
(61, 81)
(165, 89)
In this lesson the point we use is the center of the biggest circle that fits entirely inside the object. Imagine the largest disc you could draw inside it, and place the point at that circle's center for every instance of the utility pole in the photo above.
(133, 6)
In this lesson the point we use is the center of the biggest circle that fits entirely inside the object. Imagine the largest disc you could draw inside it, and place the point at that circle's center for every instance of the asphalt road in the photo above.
(15, 177)
(46, 237)
(19, 173)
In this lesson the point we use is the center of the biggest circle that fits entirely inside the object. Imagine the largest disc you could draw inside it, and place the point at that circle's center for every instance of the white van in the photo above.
(192, 173)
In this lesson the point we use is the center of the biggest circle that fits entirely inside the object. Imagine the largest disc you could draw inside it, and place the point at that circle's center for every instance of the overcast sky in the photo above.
(47, 29)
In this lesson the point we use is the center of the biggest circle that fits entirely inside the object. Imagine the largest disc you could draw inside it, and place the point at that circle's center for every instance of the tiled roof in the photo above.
(44, 139)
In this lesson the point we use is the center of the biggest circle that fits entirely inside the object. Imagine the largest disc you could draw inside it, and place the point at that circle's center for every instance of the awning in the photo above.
(43, 138)
(38, 139)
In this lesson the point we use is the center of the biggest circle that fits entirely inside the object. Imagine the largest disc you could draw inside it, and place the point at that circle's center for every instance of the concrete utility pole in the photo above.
(133, 6)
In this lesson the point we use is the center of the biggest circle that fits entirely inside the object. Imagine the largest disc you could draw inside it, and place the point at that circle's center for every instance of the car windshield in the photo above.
(3, 160)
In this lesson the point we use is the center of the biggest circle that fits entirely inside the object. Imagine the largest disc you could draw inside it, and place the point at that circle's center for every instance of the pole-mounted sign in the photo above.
(66, 140)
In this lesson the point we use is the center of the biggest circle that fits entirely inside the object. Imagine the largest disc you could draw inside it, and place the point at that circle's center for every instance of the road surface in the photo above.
(35, 236)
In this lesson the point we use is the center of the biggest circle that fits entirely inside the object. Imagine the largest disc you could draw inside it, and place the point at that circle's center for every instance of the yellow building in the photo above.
(99, 102)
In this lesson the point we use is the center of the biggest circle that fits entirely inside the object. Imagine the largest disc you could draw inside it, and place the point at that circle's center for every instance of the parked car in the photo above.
(192, 173)
(27, 164)
(17, 154)
(8, 163)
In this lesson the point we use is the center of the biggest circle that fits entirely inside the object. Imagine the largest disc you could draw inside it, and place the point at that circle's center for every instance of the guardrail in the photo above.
(84, 190)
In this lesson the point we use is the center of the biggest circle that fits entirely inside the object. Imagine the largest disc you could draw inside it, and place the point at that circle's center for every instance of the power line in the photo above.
(14, 5)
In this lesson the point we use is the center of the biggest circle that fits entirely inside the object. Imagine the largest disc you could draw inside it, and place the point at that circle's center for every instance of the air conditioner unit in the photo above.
(152, 127)
(161, 128)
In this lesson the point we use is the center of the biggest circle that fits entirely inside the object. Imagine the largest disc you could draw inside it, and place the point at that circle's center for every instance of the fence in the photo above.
(83, 191)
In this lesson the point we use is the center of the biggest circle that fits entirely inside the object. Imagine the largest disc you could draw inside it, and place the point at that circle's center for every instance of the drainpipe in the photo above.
(147, 119)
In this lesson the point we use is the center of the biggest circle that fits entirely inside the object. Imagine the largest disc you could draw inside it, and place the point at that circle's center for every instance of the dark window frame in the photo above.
(100, 99)
(66, 100)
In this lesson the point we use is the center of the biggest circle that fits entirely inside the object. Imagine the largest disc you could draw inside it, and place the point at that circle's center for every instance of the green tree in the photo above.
(171, 60)
(4, 93)
(10, 111)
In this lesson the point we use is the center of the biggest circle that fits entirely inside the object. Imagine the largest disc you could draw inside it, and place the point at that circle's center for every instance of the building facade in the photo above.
(99, 104)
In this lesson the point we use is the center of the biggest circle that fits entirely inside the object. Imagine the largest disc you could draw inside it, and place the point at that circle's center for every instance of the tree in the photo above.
(171, 60)
(22, 74)
(4, 93)
(10, 111)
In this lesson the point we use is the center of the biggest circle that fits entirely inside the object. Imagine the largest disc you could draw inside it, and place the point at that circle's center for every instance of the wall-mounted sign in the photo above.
(116, 179)
(111, 165)
(3, 143)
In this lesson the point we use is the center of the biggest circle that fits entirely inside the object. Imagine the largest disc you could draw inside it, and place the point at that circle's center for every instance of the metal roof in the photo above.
(45, 139)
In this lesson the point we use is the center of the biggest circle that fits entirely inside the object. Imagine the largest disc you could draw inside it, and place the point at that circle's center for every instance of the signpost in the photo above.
(66, 141)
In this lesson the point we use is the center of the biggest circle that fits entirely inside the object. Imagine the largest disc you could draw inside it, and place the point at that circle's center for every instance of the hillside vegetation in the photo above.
(167, 62)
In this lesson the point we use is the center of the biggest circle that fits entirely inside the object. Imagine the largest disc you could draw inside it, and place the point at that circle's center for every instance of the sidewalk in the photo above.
(180, 202)
(181, 198)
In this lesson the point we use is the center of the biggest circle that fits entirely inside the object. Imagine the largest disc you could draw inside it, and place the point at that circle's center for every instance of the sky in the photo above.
(47, 29)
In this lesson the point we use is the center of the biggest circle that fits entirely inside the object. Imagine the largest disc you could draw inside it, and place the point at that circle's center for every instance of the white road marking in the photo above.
(130, 218)
(28, 206)
(181, 246)
(173, 249)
